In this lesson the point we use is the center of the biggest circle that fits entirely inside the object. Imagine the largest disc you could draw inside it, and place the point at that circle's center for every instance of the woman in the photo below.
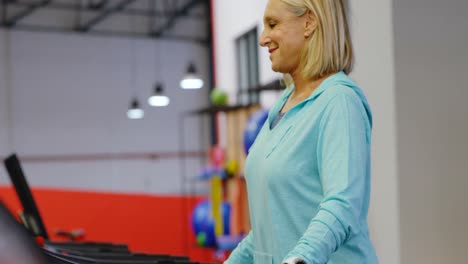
(308, 172)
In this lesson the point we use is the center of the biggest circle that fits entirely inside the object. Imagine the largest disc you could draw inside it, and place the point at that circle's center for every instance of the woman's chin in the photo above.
(275, 67)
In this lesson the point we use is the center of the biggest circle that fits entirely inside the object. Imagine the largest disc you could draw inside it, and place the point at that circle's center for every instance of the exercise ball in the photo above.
(254, 126)
(203, 223)
(218, 97)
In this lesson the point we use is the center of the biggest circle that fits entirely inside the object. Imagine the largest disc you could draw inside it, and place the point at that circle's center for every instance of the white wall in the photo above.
(374, 71)
(70, 93)
(373, 38)
(431, 40)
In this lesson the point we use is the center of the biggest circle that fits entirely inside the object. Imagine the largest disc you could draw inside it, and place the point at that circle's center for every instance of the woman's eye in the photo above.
(272, 25)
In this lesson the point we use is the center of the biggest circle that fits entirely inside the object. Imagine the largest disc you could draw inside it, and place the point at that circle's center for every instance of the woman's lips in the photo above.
(272, 50)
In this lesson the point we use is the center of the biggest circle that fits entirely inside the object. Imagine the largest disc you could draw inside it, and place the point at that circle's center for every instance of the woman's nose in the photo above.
(263, 41)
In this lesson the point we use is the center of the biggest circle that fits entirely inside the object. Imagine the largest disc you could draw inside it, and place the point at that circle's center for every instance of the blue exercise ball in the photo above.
(253, 127)
(203, 223)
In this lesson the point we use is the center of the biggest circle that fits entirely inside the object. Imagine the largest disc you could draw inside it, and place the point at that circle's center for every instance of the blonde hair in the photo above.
(329, 49)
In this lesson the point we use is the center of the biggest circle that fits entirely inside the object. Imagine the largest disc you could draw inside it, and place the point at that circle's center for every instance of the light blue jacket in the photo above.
(308, 181)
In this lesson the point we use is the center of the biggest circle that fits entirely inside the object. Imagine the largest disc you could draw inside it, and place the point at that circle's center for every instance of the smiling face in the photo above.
(284, 35)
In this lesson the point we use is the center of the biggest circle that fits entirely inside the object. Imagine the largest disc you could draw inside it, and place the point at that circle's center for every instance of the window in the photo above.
(247, 66)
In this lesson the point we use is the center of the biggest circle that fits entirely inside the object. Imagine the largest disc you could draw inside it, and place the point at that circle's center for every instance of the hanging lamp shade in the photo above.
(158, 99)
(191, 79)
(135, 111)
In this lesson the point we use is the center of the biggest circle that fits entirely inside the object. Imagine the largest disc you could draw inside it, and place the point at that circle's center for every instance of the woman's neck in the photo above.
(304, 88)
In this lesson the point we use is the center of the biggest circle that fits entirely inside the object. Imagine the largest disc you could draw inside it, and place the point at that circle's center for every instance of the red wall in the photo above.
(152, 224)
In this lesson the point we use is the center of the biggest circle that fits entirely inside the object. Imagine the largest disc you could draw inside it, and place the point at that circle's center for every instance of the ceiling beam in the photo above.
(107, 12)
(72, 7)
(11, 22)
(172, 19)
(109, 33)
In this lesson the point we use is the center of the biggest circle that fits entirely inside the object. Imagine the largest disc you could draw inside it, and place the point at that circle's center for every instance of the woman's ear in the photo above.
(310, 23)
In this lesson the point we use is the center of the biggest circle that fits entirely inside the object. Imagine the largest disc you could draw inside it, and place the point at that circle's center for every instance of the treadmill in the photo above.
(32, 218)
(76, 252)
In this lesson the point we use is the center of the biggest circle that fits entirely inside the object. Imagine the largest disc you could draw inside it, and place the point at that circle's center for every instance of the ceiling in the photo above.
(185, 20)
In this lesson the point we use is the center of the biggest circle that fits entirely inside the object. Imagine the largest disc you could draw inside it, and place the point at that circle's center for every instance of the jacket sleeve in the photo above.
(243, 253)
(343, 157)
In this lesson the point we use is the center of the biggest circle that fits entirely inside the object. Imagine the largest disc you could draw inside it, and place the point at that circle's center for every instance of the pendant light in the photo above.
(158, 99)
(191, 79)
(135, 111)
